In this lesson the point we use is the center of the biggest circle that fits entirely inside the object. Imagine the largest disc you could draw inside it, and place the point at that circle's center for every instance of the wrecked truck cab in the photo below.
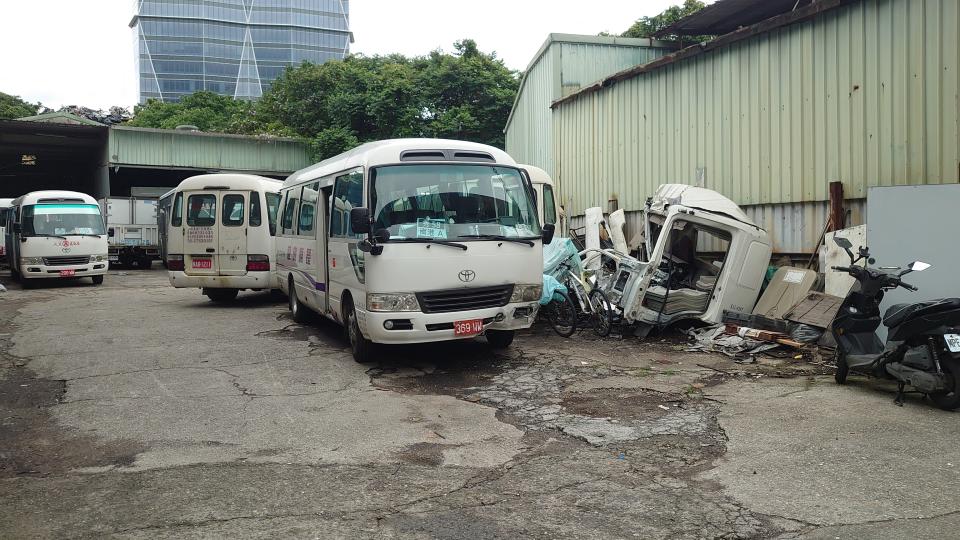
(705, 256)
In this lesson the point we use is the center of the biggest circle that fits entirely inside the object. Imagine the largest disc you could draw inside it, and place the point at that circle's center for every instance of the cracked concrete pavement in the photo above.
(135, 410)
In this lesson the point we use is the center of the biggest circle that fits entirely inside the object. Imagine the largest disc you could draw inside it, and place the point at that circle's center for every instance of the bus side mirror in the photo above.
(548, 231)
(360, 220)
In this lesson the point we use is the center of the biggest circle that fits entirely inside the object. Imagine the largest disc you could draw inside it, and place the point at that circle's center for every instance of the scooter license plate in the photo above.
(953, 342)
(468, 328)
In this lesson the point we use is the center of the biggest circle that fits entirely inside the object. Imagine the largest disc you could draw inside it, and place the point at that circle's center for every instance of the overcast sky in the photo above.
(80, 52)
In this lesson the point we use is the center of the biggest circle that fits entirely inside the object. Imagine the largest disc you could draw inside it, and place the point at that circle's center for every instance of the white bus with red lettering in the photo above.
(54, 235)
(220, 234)
(411, 241)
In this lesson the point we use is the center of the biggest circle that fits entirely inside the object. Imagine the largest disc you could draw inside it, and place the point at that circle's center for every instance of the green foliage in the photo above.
(337, 105)
(206, 110)
(645, 27)
(12, 107)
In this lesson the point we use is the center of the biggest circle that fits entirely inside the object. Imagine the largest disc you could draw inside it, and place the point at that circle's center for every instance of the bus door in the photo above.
(200, 233)
(232, 233)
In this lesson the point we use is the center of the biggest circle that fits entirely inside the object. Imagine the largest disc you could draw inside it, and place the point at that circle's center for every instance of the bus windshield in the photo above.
(62, 219)
(444, 201)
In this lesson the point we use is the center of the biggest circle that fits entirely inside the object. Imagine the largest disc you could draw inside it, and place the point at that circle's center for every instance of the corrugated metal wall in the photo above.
(164, 148)
(866, 94)
(566, 66)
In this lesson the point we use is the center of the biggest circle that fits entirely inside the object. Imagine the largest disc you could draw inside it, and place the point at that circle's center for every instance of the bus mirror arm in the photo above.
(17, 228)
(367, 246)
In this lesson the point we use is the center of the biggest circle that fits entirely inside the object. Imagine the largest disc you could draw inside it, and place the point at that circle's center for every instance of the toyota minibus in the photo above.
(219, 234)
(54, 235)
(411, 241)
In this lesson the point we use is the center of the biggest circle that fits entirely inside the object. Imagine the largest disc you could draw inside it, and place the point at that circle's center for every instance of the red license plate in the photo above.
(468, 328)
(202, 264)
(67, 273)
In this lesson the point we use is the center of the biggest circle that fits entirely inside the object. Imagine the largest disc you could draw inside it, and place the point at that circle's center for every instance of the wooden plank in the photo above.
(817, 309)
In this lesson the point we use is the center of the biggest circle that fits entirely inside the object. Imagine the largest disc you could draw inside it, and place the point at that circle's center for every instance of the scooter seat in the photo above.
(898, 313)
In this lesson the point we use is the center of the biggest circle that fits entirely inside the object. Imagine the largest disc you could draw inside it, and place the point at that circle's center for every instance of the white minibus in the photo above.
(4, 213)
(411, 241)
(220, 234)
(56, 234)
(543, 189)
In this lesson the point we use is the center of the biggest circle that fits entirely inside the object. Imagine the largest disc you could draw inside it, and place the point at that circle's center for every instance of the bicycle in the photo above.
(590, 302)
(561, 313)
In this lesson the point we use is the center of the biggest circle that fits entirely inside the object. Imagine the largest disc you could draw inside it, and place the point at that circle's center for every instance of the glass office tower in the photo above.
(232, 47)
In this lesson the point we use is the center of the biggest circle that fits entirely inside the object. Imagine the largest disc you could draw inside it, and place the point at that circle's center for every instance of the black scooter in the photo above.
(923, 339)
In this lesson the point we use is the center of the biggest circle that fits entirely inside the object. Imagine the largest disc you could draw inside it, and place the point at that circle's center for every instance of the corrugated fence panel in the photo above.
(866, 94)
(164, 148)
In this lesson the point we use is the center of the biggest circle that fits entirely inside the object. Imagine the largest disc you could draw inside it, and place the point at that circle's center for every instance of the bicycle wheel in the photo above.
(562, 315)
(602, 313)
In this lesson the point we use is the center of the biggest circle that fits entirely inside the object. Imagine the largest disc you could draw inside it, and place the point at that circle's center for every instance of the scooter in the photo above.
(923, 339)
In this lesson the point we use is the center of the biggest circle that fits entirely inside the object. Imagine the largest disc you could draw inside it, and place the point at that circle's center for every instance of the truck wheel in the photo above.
(97, 280)
(145, 263)
(949, 400)
(361, 347)
(298, 311)
(500, 339)
(221, 296)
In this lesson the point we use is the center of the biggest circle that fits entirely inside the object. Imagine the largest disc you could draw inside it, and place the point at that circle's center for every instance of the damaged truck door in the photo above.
(706, 256)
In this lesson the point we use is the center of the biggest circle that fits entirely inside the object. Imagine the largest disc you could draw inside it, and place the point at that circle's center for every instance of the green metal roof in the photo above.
(164, 148)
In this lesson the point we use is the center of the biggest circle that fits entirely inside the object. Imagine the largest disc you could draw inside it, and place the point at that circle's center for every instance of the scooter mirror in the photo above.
(918, 266)
(842, 242)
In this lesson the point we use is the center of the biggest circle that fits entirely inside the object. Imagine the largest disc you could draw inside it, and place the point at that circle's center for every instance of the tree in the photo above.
(338, 104)
(206, 110)
(12, 107)
(646, 27)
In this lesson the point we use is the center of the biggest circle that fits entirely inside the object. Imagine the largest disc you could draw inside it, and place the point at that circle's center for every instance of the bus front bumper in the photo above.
(41, 271)
(418, 327)
(250, 280)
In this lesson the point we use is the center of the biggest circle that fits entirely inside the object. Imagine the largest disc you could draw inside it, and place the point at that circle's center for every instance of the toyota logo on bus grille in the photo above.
(467, 276)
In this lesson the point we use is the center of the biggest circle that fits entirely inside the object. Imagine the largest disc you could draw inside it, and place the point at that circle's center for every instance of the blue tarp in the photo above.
(559, 251)
(550, 287)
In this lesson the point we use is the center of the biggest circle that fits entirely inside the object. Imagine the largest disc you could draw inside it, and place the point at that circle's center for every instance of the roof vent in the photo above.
(422, 155)
(473, 156)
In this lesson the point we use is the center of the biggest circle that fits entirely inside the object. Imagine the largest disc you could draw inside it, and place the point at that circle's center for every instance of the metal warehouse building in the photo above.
(63, 151)
(864, 92)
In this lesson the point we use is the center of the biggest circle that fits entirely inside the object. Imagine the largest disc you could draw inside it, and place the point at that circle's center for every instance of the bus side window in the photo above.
(347, 195)
(176, 219)
(549, 206)
(255, 218)
(289, 209)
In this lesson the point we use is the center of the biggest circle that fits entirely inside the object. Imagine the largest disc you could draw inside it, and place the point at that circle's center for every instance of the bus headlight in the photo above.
(526, 293)
(392, 302)
(31, 260)
(98, 258)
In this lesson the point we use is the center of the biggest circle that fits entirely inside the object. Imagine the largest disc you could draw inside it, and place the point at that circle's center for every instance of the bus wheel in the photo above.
(500, 339)
(97, 280)
(361, 347)
(221, 295)
(297, 310)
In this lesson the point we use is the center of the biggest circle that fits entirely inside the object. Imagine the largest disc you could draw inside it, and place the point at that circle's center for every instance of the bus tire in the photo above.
(221, 296)
(500, 339)
(361, 347)
(298, 311)
(145, 262)
(97, 280)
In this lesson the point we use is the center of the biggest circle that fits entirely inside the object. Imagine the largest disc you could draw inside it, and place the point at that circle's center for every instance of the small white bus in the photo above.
(220, 234)
(4, 215)
(543, 189)
(56, 234)
(411, 241)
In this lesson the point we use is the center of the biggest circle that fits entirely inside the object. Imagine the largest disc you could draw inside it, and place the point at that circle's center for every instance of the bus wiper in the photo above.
(430, 241)
(528, 240)
(49, 236)
(87, 234)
